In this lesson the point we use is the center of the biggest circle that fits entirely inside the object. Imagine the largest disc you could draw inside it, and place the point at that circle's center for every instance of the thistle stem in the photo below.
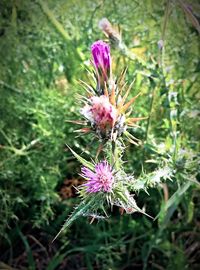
(149, 122)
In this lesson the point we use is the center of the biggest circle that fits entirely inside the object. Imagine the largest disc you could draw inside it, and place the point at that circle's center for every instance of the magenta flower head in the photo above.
(104, 113)
(100, 112)
(101, 179)
(101, 54)
(102, 61)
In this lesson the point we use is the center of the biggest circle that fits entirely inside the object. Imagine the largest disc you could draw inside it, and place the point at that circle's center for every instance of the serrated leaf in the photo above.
(81, 209)
(82, 160)
(129, 200)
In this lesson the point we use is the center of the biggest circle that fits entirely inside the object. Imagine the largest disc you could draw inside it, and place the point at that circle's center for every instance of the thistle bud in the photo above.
(111, 32)
(101, 113)
(102, 61)
(160, 44)
(101, 54)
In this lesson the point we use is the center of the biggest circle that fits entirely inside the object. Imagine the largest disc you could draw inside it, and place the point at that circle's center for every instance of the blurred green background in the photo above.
(44, 51)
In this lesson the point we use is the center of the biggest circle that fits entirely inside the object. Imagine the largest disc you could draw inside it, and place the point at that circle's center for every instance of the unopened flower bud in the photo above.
(160, 44)
(101, 55)
(112, 33)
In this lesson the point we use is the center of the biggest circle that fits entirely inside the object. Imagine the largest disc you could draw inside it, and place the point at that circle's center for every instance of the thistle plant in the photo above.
(106, 109)
(114, 36)
(106, 114)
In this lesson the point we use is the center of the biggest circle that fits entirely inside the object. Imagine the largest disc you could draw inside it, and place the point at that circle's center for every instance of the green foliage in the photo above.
(40, 66)
(32, 139)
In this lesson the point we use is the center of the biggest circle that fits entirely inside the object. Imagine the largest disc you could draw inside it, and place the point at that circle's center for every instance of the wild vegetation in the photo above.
(45, 52)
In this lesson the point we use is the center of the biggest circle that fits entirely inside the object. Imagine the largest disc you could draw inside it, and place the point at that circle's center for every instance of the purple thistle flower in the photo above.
(101, 55)
(101, 179)
(101, 112)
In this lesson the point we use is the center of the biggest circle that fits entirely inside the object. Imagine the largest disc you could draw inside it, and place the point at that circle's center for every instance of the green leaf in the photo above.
(82, 160)
(125, 197)
(190, 211)
(171, 205)
(79, 211)
(30, 257)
